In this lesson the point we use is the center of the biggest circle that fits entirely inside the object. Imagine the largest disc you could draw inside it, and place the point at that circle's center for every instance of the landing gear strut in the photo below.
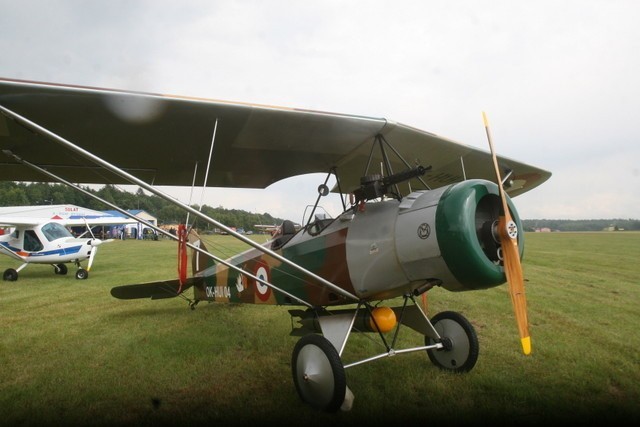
(60, 269)
(450, 342)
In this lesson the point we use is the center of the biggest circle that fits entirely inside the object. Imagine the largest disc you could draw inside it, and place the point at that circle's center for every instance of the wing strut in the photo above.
(206, 173)
(193, 184)
(323, 190)
(382, 143)
(60, 140)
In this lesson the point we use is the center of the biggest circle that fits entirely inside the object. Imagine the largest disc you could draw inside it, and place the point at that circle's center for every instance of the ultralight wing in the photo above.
(96, 221)
(160, 138)
(9, 221)
(40, 214)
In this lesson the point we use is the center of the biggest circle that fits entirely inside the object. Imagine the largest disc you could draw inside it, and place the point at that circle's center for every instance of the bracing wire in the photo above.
(206, 174)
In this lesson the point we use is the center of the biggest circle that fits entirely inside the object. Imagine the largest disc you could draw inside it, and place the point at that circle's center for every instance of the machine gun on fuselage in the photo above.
(375, 186)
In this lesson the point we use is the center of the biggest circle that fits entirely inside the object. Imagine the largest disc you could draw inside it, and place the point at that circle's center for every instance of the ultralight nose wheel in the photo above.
(82, 274)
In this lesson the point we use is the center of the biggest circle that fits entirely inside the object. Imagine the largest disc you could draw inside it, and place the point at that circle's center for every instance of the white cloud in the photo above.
(558, 79)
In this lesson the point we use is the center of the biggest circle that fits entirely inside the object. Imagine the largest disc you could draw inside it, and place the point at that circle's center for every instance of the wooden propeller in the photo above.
(508, 232)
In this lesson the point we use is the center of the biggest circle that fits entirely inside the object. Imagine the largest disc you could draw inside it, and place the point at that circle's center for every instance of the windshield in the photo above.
(53, 231)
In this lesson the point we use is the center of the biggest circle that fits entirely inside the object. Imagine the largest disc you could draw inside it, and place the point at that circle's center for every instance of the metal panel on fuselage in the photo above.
(323, 255)
(371, 252)
(416, 235)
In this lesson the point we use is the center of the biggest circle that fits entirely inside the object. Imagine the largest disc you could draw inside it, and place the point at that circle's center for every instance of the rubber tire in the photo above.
(314, 354)
(10, 275)
(82, 274)
(454, 328)
(60, 269)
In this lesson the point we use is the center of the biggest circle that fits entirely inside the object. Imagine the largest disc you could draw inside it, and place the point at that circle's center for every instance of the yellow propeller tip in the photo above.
(526, 345)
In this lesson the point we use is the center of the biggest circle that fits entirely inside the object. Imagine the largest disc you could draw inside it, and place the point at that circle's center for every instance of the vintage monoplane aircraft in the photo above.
(33, 240)
(419, 211)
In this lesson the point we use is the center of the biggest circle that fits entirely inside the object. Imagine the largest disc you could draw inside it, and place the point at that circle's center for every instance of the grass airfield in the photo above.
(70, 354)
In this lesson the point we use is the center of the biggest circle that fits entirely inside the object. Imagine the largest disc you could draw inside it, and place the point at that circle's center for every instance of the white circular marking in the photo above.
(262, 274)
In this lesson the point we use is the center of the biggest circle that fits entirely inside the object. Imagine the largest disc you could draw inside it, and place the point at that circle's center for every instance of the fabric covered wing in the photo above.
(160, 139)
(97, 221)
(12, 221)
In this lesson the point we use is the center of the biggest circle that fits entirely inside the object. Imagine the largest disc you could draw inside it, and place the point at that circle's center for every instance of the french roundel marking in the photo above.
(262, 290)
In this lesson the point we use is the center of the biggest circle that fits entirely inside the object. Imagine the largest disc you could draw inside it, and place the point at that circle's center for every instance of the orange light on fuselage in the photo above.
(384, 317)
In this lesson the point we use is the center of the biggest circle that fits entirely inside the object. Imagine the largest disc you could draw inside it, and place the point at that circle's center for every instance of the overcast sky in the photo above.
(559, 80)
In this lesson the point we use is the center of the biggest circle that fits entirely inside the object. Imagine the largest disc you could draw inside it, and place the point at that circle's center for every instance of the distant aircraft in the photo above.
(272, 229)
(266, 228)
(419, 212)
(49, 241)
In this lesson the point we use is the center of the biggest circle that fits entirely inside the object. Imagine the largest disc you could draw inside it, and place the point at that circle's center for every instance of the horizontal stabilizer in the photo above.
(154, 290)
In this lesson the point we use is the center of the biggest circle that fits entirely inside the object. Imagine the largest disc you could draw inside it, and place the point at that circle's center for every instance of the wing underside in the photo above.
(160, 139)
(8, 221)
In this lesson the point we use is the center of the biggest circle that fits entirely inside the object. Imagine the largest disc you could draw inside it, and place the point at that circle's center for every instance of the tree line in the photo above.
(28, 194)
(616, 224)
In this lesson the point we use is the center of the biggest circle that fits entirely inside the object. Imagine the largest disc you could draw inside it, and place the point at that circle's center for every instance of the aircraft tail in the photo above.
(155, 290)
(171, 288)
(199, 261)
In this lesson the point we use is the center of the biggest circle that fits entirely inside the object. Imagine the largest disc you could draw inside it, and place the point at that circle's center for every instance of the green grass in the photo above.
(70, 354)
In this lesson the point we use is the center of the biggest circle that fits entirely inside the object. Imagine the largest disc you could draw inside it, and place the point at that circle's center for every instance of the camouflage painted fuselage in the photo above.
(376, 251)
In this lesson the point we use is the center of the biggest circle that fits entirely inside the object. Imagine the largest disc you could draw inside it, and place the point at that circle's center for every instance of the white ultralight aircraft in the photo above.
(49, 241)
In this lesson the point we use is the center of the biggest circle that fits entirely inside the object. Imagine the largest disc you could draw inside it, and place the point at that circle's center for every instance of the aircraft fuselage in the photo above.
(377, 250)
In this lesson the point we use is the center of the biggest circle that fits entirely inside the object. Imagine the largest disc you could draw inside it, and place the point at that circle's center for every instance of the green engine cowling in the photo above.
(449, 236)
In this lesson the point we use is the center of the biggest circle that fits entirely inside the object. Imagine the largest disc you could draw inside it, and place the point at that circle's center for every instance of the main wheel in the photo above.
(318, 373)
(82, 274)
(461, 347)
(10, 275)
(60, 269)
